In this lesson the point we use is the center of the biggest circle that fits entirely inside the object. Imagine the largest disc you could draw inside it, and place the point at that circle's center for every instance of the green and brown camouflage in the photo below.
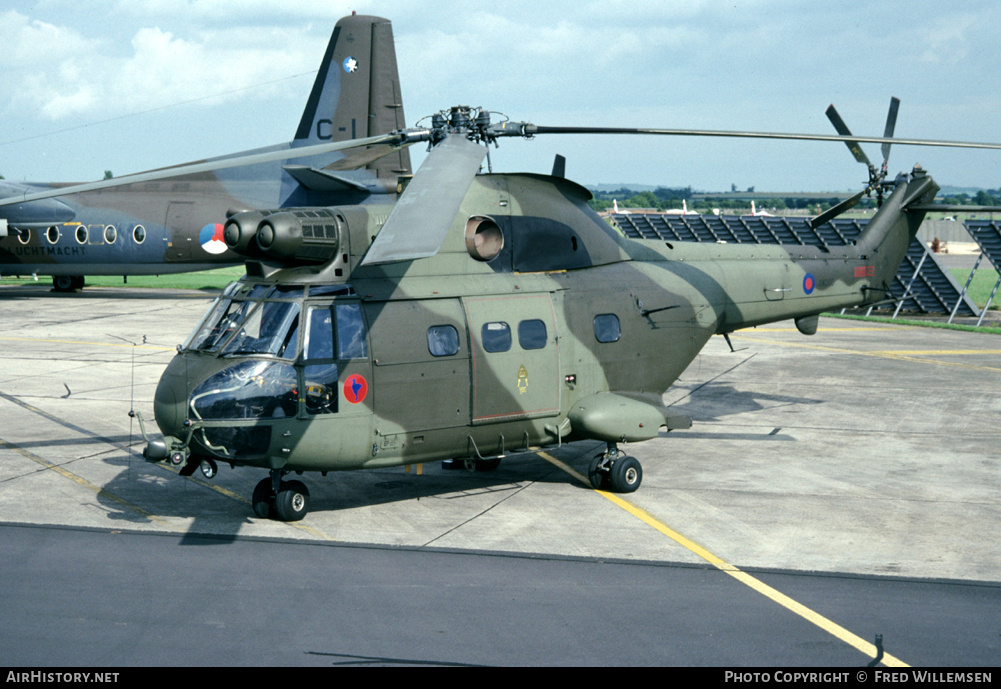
(534, 324)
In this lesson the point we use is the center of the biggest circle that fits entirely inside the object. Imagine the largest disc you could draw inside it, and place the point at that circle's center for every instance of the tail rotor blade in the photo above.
(843, 130)
(891, 123)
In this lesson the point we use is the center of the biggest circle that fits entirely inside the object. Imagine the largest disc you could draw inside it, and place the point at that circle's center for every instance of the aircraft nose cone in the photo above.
(169, 401)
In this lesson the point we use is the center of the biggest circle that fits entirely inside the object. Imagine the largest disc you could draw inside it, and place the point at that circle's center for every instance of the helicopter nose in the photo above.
(169, 402)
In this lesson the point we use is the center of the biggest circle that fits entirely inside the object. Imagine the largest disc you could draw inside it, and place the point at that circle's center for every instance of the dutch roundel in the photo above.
(211, 238)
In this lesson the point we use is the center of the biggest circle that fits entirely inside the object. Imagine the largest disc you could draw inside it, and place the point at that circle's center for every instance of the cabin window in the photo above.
(496, 337)
(139, 234)
(110, 234)
(81, 234)
(24, 236)
(607, 328)
(52, 234)
(443, 340)
(532, 334)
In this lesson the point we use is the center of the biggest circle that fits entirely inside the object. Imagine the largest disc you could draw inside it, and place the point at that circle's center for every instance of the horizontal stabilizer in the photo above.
(322, 180)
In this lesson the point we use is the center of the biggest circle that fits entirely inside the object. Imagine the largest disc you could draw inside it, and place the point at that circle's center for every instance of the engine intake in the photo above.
(290, 235)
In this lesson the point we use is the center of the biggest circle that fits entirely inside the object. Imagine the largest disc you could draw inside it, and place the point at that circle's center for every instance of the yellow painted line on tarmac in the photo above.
(79, 480)
(901, 355)
(825, 329)
(743, 577)
(234, 496)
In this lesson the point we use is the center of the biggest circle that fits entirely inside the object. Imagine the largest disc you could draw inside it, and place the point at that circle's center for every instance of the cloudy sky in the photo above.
(129, 85)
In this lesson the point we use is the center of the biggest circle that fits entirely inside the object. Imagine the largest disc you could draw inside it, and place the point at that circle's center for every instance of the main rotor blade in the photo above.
(424, 212)
(194, 168)
(532, 129)
(891, 123)
(836, 210)
(842, 128)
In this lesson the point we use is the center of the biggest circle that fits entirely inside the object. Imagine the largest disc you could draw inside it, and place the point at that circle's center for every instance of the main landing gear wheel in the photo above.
(626, 475)
(615, 471)
(67, 283)
(481, 464)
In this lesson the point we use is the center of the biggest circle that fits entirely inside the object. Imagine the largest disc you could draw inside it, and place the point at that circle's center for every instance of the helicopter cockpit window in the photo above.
(333, 333)
(532, 334)
(443, 340)
(254, 389)
(319, 334)
(272, 329)
(351, 343)
(607, 328)
(496, 336)
(350, 332)
(223, 320)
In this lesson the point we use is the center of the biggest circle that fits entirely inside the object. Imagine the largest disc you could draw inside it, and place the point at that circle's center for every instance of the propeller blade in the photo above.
(836, 210)
(891, 123)
(424, 212)
(194, 168)
(843, 130)
(529, 130)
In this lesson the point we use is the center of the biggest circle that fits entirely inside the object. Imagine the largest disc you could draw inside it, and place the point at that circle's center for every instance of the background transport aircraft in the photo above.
(175, 224)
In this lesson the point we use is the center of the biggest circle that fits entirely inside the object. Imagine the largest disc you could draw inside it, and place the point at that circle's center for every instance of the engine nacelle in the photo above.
(240, 231)
(289, 235)
(300, 235)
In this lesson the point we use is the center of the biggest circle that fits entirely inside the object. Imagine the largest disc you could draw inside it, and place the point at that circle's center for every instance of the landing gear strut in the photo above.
(287, 501)
(612, 470)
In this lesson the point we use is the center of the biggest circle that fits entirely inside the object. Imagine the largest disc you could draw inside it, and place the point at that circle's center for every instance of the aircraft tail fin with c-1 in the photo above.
(357, 91)
(137, 224)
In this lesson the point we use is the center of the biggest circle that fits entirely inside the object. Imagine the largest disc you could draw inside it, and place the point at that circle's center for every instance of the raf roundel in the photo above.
(211, 238)
(809, 283)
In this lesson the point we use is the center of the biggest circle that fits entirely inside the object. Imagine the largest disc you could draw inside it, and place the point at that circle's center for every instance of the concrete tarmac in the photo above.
(866, 450)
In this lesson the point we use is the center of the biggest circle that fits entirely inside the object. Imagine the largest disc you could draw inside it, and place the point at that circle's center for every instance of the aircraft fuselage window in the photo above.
(110, 234)
(24, 236)
(139, 234)
(607, 328)
(532, 334)
(52, 234)
(496, 336)
(81, 234)
(443, 340)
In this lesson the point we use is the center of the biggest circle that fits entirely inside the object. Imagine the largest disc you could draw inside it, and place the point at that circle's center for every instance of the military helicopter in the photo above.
(484, 314)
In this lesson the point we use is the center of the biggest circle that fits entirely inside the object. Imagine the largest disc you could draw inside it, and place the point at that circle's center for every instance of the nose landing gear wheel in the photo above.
(292, 501)
(263, 499)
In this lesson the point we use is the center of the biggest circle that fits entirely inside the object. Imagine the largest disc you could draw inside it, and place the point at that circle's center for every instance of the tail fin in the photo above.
(357, 91)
